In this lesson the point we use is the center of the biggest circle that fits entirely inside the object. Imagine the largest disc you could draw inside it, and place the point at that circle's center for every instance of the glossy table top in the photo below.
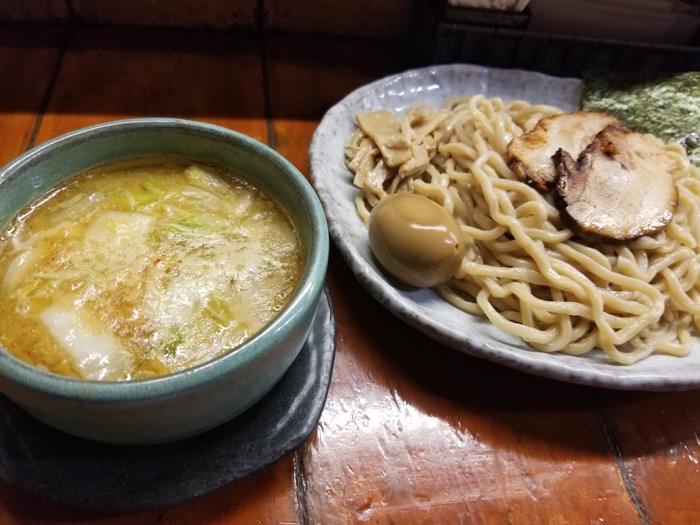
(412, 432)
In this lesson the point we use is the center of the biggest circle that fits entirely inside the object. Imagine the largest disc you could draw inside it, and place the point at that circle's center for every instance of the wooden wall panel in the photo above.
(173, 13)
(124, 73)
(38, 11)
(28, 62)
(368, 18)
(361, 18)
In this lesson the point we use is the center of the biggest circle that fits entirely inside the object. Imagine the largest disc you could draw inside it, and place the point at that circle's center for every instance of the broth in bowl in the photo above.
(143, 268)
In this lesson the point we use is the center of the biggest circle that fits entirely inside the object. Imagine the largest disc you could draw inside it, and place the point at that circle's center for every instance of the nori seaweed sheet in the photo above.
(666, 105)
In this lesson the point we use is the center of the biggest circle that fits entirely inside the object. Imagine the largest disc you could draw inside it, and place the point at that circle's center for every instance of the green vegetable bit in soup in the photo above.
(143, 268)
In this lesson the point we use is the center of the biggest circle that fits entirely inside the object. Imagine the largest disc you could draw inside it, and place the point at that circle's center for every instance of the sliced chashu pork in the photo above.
(620, 188)
(530, 154)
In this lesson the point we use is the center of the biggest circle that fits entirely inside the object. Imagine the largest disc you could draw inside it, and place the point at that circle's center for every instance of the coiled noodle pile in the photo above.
(523, 269)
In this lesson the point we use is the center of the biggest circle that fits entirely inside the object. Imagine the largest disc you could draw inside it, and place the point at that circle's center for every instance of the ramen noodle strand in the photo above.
(523, 269)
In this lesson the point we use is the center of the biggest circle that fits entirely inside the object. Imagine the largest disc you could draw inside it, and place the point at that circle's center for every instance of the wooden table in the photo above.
(412, 432)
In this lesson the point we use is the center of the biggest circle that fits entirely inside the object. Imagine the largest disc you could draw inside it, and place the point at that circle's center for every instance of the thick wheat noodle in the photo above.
(523, 269)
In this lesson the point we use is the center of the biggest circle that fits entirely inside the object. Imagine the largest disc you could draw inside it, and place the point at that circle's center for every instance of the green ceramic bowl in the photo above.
(195, 400)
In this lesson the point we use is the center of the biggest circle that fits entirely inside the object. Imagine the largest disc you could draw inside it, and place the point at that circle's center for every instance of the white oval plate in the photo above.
(424, 309)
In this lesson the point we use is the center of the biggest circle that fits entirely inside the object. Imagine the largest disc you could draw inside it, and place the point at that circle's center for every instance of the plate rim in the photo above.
(563, 367)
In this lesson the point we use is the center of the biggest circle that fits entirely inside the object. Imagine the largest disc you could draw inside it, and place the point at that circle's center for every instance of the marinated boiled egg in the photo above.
(415, 239)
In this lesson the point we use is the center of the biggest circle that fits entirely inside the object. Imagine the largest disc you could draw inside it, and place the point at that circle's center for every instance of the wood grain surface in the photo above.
(412, 432)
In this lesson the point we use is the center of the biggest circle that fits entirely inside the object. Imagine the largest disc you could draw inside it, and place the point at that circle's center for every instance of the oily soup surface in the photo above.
(143, 268)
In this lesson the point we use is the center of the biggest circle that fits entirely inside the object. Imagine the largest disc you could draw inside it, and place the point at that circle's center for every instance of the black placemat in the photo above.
(93, 476)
